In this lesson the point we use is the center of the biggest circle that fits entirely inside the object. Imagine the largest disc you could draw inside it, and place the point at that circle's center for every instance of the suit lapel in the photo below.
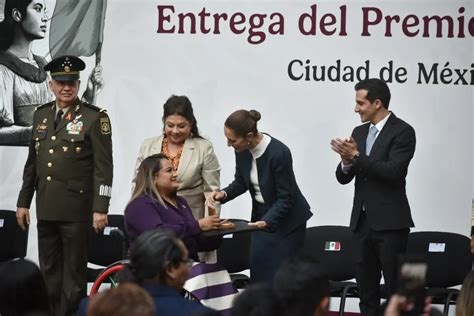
(156, 147)
(50, 119)
(186, 157)
(363, 138)
(246, 158)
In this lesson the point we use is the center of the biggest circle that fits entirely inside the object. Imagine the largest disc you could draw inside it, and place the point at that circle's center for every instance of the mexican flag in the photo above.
(332, 246)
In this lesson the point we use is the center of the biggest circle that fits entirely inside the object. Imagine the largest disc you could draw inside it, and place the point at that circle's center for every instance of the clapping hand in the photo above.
(346, 148)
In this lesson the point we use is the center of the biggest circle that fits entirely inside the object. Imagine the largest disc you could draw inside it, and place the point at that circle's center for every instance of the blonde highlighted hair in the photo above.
(465, 300)
(145, 181)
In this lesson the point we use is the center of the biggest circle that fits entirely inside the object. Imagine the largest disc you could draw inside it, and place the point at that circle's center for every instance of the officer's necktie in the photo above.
(370, 139)
(59, 115)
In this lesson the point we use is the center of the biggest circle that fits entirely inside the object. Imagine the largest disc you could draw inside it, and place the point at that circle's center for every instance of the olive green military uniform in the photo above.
(70, 168)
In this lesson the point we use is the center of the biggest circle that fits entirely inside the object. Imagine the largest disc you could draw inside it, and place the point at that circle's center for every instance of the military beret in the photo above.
(65, 68)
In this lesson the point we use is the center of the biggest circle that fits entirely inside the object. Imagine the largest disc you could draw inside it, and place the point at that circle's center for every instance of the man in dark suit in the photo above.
(69, 166)
(377, 155)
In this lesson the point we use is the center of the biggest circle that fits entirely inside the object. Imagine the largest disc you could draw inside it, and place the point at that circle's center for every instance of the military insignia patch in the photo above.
(74, 127)
(41, 128)
(104, 125)
(105, 190)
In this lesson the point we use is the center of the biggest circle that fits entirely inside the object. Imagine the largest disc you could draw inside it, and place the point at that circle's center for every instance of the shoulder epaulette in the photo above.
(93, 107)
(44, 105)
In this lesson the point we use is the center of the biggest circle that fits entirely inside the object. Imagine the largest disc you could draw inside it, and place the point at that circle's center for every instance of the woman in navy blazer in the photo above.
(264, 168)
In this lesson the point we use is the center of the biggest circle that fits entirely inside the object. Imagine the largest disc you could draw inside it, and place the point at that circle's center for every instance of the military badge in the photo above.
(74, 127)
(104, 125)
(41, 128)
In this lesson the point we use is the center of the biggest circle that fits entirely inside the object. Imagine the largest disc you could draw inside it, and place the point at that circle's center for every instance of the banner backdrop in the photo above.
(296, 62)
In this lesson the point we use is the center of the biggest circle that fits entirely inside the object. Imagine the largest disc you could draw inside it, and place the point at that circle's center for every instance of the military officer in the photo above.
(69, 166)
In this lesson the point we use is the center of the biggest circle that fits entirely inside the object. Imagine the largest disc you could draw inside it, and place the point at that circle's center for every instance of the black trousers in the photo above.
(63, 262)
(269, 250)
(376, 252)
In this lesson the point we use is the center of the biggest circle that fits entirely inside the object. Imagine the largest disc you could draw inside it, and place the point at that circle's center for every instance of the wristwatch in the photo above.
(355, 157)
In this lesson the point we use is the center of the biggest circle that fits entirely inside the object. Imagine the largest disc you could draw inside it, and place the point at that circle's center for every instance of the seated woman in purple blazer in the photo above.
(154, 204)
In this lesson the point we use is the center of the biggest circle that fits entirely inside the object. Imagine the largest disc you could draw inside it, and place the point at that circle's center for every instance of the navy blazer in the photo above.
(285, 206)
(380, 177)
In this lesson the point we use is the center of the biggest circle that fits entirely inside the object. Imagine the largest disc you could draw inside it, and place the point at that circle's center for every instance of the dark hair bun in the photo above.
(255, 115)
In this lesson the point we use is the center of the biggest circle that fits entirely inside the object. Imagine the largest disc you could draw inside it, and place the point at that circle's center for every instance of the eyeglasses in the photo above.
(188, 262)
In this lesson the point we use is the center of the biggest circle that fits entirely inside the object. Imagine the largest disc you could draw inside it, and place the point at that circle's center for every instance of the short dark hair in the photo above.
(22, 288)
(242, 122)
(151, 253)
(376, 89)
(257, 300)
(180, 105)
(301, 284)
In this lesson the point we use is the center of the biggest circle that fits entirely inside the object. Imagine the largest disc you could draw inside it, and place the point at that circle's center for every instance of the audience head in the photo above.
(302, 287)
(240, 129)
(159, 257)
(124, 300)
(465, 301)
(22, 288)
(178, 119)
(257, 300)
(155, 177)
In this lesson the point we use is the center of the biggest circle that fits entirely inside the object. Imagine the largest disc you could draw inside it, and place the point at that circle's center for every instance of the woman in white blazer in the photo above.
(191, 155)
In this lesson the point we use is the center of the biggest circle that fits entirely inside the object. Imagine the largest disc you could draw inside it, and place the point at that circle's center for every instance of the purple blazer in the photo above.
(144, 214)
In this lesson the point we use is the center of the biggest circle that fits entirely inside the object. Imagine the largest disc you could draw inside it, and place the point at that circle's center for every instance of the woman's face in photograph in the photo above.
(34, 24)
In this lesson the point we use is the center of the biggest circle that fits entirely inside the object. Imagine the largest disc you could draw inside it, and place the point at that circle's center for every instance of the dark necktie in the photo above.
(59, 115)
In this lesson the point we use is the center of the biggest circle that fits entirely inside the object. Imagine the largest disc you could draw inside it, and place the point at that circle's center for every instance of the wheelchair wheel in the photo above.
(108, 275)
